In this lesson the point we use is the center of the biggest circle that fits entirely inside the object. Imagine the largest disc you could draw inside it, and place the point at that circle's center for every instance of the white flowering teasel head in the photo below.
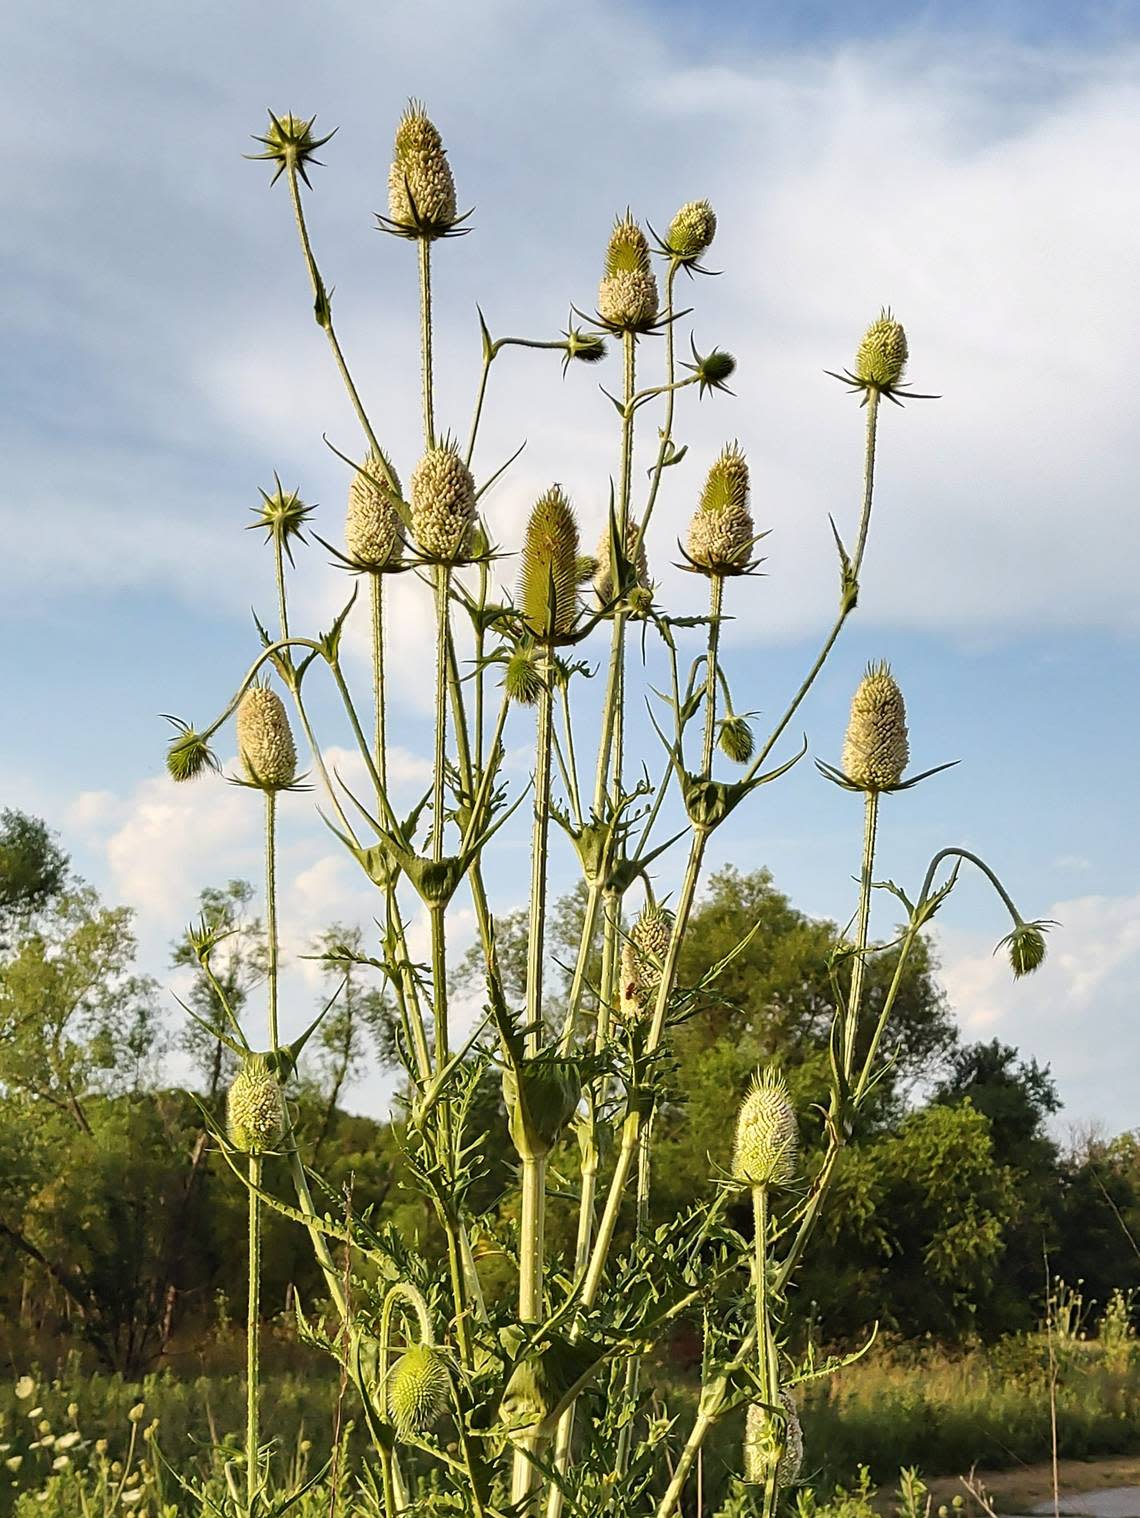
(691, 231)
(255, 1107)
(265, 740)
(876, 748)
(721, 531)
(762, 1443)
(443, 503)
(627, 295)
(603, 577)
(421, 187)
(372, 535)
(767, 1146)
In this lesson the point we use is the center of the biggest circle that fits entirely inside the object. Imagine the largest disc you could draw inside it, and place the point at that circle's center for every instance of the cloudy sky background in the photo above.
(974, 166)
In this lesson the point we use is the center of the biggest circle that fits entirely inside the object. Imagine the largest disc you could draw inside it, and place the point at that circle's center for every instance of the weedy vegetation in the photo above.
(532, 1398)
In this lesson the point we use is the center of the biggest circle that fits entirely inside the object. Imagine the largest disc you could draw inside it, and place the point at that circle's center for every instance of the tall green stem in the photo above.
(716, 599)
(424, 245)
(859, 963)
(767, 1365)
(253, 1342)
(376, 599)
(271, 912)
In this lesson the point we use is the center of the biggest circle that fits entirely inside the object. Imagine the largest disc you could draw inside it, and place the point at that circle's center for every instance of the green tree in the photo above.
(237, 967)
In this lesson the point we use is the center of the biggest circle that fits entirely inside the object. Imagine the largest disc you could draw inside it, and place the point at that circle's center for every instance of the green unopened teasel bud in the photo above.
(548, 575)
(523, 679)
(762, 1444)
(883, 353)
(372, 524)
(417, 1390)
(736, 740)
(443, 502)
(692, 230)
(1026, 945)
(721, 530)
(875, 749)
(265, 741)
(421, 188)
(767, 1134)
(255, 1108)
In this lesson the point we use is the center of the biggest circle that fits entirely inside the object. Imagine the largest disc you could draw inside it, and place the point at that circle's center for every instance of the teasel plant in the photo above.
(480, 1400)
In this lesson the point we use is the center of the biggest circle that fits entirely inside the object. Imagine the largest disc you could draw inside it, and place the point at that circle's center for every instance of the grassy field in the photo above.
(943, 1414)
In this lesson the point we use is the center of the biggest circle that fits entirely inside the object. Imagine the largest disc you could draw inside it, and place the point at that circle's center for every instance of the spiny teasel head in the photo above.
(255, 1108)
(875, 750)
(633, 993)
(627, 295)
(265, 740)
(372, 535)
(421, 189)
(417, 1390)
(762, 1441)
(883, 353)
(651, 932)
(443, 502)
(767, 1134)
(1026, 946)
(735, 739)
(289, 141)
(691, 231)
(721, 531)
(523, 679)
(603, 575)
(548, 573)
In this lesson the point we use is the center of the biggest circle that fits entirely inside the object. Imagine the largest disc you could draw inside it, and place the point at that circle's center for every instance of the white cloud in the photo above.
(1077, 1012)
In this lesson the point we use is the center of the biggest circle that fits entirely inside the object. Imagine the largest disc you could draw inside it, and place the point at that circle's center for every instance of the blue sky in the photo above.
(972, 165)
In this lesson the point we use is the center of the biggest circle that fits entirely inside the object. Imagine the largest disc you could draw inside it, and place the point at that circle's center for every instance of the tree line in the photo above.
(123, 1232)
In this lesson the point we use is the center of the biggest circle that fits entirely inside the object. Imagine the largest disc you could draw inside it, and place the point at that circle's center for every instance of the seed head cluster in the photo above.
(372, 523)
(767, 1134)
(721, 531)
(417, 1390)
(443, 502)
(255, 1109)
(642, 957)
(421, 189)
(762, 1442)
(882, 354)
(265, 741)
(875, 750)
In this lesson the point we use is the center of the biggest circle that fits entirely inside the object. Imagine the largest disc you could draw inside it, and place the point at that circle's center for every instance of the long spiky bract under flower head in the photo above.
(443, 502)
(627, 295)
(603, 566)
(372, 536)
(876, 750)
(421, 187)
(548, 572)
(265, 740)
(721, 530)
(767, 1134)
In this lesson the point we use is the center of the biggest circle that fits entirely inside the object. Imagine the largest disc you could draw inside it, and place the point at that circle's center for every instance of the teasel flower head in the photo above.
(875, 750)
(650, 935)
(523, 679)
(290, 140)
(633, 993)
(372, 536)
(586, 347)
(603, 574)
(255, 1108)
(1026, 946)
(189, 754)
(443, 502)
(417, 1390)
(627, 296)
(691, 231)
(767, 1134)
(762, 1443)
(721, 531)
(882, 354)
(265, 740)
(548, 574)
(421, 188)
(735, 738)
